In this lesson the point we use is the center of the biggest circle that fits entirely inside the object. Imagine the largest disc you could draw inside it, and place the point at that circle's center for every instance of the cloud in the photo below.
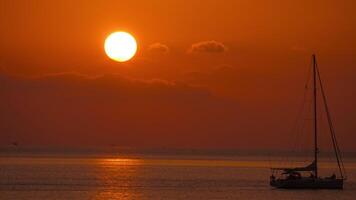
(208, 47)
(158, 48)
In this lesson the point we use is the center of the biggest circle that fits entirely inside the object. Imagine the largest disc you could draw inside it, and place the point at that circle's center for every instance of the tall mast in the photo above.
(315, 118)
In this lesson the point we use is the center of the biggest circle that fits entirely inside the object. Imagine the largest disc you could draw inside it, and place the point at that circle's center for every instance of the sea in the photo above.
(127, 173)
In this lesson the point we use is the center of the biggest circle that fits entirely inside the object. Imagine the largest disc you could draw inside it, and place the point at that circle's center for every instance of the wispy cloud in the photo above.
(208, 47)
(158, 48)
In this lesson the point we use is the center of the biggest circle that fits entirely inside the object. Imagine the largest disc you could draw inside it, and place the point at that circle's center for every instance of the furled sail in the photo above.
(310, 167)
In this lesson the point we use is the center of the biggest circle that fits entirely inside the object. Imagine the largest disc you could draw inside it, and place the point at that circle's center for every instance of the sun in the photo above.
(120, 46)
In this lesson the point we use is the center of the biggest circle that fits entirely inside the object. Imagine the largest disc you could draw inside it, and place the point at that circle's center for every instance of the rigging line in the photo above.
(333, 137)
(324, 133)
(306, 121)
(296, 124)
(298, 121)
(339, 153)
(332, 132)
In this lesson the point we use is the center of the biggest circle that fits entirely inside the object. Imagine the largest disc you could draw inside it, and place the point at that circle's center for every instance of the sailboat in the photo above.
(295, 178)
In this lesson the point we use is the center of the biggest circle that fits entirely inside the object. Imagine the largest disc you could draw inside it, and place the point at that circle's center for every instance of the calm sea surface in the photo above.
(52, 175)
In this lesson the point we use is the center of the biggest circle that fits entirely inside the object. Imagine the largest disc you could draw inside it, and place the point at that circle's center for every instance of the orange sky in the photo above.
(224, 74)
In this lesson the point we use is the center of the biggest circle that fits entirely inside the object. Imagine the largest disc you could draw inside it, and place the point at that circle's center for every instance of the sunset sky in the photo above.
(207, 74)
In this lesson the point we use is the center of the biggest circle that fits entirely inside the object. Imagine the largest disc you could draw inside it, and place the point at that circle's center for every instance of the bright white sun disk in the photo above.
(120, 46)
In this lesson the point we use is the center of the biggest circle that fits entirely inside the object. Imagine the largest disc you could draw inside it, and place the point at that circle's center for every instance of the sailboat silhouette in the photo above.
(291, 178)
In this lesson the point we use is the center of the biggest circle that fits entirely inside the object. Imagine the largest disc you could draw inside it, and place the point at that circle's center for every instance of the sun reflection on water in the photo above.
(118, 178)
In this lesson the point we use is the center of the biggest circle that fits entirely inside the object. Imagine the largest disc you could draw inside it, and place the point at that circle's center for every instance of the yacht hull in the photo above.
(308, 183)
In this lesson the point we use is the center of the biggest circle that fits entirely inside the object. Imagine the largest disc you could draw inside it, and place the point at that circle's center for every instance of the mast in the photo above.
(315, 118)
